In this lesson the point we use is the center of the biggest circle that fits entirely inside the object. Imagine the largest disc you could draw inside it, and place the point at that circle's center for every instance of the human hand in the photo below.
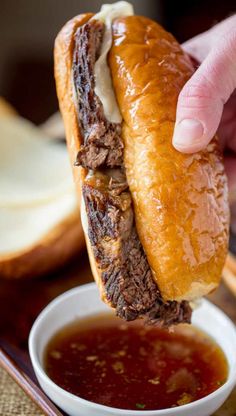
(207, 102)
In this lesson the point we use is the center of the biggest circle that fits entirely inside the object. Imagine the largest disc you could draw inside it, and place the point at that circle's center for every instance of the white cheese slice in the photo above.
(103, 82)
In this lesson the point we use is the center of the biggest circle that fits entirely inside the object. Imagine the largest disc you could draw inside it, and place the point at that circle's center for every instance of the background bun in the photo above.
(180, 200)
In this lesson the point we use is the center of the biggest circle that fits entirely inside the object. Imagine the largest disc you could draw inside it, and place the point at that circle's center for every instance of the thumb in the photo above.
(201, 101)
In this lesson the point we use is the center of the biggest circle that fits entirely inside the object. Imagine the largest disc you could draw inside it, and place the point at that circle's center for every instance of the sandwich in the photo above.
(155, 220)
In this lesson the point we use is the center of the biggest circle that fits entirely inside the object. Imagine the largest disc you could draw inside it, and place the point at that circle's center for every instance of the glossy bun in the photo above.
(63, 59)
(180, 201)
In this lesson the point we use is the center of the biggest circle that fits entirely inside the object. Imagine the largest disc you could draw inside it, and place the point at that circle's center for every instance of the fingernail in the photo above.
(187, 133)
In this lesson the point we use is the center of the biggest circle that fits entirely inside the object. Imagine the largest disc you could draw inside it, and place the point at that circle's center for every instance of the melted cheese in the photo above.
(103, 81)
(83, 216)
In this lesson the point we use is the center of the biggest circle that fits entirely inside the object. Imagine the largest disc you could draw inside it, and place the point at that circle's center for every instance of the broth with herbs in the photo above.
(133, 366)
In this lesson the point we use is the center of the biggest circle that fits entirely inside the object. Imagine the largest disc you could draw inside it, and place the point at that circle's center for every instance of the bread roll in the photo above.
(180, 201)
(63, 59)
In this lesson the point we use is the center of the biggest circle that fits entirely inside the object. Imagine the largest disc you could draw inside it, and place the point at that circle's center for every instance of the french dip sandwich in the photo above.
(155, 220)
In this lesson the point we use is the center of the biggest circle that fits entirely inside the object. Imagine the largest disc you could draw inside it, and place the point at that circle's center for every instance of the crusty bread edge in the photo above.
(49, 253)
(63, 63)
(63, 55)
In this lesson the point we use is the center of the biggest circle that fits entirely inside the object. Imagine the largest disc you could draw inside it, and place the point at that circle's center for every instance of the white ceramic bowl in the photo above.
(84, 301)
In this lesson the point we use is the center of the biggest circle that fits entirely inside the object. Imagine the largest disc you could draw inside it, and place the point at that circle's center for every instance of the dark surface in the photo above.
(232, 243)
(27, 33)
(28, 30)
(187, 18)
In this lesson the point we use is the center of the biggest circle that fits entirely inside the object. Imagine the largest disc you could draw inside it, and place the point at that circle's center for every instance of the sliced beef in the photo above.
(125, 272)
(102, 140)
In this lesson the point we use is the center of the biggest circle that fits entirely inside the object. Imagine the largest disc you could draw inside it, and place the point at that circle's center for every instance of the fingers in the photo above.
(201, 101)
(200, 45)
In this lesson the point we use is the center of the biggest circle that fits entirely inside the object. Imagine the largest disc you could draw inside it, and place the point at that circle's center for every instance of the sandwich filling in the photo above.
(125, 273)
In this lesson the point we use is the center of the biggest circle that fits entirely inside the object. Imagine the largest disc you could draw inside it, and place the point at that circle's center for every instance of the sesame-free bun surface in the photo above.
(180, 200)
(63, 58)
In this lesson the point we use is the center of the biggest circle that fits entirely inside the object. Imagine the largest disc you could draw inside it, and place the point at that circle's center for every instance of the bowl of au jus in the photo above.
(91, 363)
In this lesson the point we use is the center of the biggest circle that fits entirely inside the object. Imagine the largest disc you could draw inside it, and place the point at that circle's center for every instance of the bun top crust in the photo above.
(180, 200)
(63, 58)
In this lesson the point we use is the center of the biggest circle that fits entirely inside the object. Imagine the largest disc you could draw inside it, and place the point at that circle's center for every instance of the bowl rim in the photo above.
(38, 368)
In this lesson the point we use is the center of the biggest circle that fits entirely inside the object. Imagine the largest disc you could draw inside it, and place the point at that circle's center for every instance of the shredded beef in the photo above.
(102, 139)
(125, 273)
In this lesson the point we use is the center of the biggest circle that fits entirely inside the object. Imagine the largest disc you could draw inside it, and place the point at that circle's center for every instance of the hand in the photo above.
(207, 102)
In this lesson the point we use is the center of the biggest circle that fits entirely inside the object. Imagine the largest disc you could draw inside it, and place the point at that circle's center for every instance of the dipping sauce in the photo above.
(132, 366)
